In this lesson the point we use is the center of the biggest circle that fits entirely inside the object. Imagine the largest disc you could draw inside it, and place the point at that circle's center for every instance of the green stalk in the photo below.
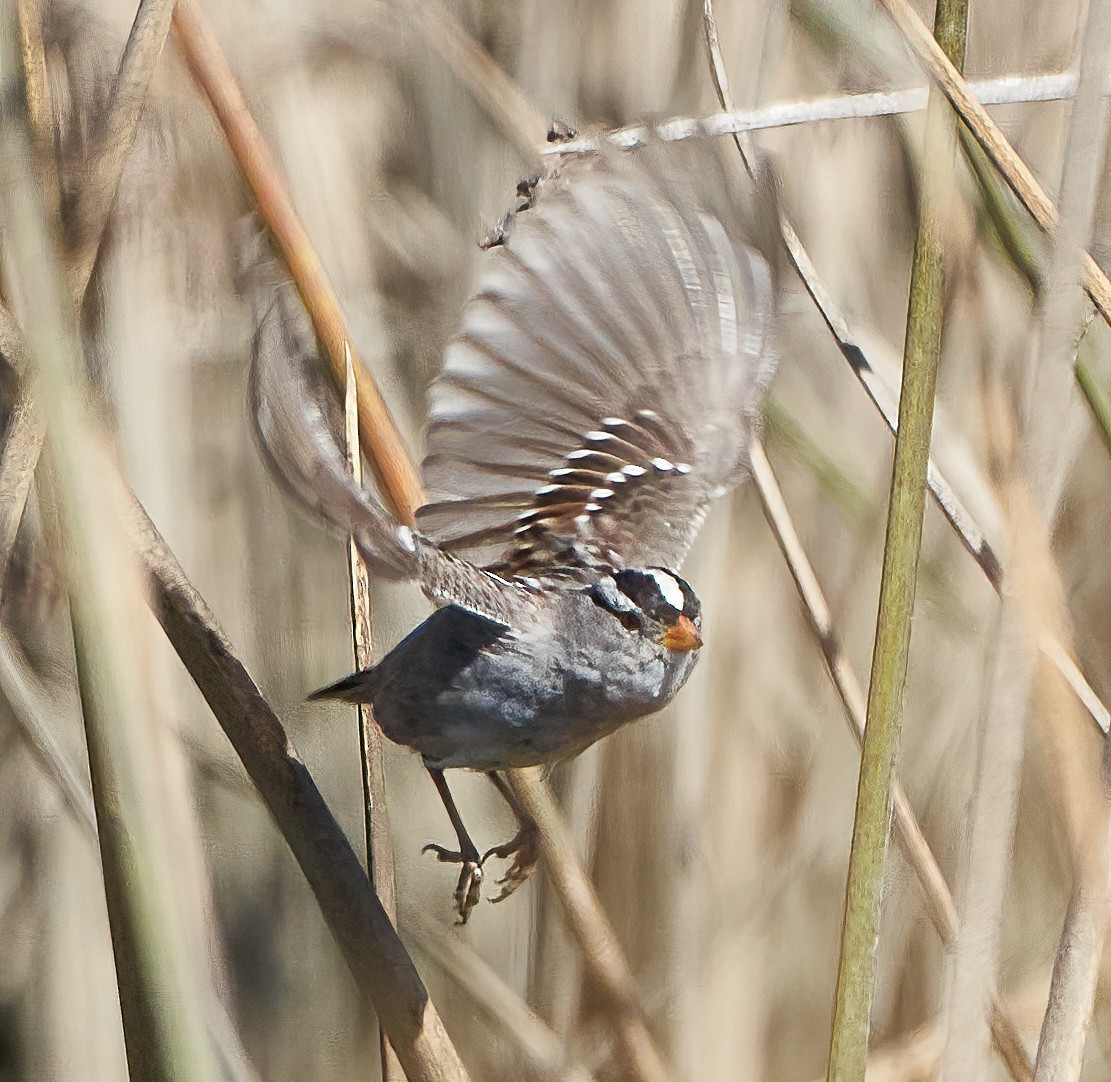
(856, 977)
(1026, 248)
(1095, 392)
(161, 989)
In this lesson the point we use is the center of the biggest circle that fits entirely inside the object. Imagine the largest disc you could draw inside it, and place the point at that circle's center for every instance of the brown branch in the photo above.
(382, 969)
(602, 953)
(397, 478)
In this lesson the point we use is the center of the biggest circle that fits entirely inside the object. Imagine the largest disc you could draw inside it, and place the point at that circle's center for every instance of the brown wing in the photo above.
(605, 380)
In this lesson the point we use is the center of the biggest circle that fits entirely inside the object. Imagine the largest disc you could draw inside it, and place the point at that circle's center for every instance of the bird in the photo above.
(602, 390)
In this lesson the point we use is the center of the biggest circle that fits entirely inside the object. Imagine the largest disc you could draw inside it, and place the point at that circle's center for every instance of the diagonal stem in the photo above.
(908, 833)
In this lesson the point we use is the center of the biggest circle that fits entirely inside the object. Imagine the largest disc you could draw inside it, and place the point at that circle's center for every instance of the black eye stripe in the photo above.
(643, 590)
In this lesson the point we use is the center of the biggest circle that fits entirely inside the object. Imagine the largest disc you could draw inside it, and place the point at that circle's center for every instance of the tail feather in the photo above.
(357, 688)
(297, 420)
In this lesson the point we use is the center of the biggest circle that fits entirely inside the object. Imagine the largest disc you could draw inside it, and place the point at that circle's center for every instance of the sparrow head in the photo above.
(653, 602)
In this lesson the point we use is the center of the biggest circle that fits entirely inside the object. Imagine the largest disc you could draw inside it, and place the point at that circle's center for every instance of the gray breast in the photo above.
(541, 693)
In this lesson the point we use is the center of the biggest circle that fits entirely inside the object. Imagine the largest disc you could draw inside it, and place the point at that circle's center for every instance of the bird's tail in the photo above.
(356, 688)
(296, 412)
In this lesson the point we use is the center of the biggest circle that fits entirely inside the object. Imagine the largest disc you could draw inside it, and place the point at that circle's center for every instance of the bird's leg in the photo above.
(524, 846)
(469, 888)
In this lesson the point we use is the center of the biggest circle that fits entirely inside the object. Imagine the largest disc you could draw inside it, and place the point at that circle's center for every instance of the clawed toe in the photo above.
(468, 890)
(524, 847)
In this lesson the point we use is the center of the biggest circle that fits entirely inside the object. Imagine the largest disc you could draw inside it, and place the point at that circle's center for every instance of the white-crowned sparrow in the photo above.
(601, 392)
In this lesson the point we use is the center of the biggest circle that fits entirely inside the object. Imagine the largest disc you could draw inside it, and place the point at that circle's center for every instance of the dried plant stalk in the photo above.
(376, 822)
(908, 832)
(512, 1016)
(116, 135)
(1077, 965)
(1003, 156)
(602, 953)
(161, 991)
(398, 480)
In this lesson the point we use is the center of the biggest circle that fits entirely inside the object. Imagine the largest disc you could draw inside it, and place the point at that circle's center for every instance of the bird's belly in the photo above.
(502, 711)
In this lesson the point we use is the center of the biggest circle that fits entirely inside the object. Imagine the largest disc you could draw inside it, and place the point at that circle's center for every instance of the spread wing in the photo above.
(604, 384)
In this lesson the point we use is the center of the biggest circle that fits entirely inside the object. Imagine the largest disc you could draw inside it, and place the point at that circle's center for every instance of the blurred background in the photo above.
(717, 832)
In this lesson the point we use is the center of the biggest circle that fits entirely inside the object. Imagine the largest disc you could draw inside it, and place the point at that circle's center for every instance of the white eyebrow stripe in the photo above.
(669, 588)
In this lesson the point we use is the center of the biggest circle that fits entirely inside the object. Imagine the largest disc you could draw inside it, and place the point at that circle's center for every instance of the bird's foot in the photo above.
(524, 847)
(468, 890)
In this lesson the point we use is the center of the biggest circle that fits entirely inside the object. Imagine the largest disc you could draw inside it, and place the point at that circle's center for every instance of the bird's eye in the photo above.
(618, 604)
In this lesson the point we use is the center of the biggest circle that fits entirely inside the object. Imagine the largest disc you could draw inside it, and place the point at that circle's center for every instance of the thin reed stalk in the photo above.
(856, 976)
(602, 954)
(908, 833)
(116, 137)
(1077, 965)
(512, 1017)
(1003, 156)
(399, 483)
(397, 477)
(117, 131)
(376, 822)
(161, 991)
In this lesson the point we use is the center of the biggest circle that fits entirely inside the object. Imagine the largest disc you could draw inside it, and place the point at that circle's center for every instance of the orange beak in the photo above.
(682, 636)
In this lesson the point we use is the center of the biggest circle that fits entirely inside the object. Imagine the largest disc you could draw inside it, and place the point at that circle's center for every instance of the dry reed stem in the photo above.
(1077, 965)
(29, 706)
(495, 91)
(939, 900)
(515, 1021)
(254, 159)
(118, 130)
(17, 473)
(382, 969)
(1048, 379)
(29, 703)
(914, 1056)
(601, 951)
(40, 108)
(1098, 399)
(160, 987)
(1005, 90)
(116, 136)
(376, 822)
(397, 479)
(991, 815)
(1003, 156)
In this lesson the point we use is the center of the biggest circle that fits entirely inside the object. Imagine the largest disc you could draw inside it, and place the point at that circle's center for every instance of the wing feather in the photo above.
(607, 376)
